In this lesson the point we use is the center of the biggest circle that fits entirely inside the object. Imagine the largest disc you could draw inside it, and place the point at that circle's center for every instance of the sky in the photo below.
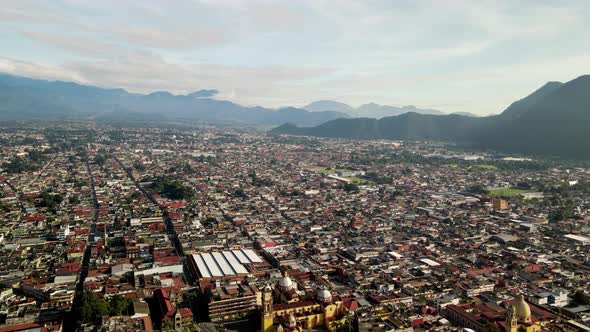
(451, 55)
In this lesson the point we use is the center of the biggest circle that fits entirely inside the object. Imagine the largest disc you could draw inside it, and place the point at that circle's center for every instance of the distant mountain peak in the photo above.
(203, 93)
(550, 83)
(466, 114)
(368, 110)
(521, 106)
(371, 104)
(329, 105)
(160, 94)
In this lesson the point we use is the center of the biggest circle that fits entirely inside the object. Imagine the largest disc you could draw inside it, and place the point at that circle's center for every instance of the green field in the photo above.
(506, 192)
(357, 180)
(486, 167)
(353, 179)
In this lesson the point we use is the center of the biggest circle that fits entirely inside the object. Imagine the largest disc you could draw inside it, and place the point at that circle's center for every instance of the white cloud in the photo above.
(34, 70)
(272, 52)
(247, 85)
(186, 38)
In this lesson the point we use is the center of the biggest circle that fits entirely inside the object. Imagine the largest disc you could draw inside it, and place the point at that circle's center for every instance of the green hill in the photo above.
(554, 120)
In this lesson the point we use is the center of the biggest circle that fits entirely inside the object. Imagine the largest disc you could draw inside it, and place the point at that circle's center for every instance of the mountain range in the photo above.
(25, 99)
(553, 120)
(370, 110)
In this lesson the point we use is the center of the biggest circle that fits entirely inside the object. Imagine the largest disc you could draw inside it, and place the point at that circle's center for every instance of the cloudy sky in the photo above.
(464, 55)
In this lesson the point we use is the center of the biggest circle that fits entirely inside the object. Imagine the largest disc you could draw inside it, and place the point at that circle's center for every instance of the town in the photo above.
(211, 229)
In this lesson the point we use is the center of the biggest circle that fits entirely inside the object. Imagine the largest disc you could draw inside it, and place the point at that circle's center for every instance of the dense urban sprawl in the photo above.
(143, 229)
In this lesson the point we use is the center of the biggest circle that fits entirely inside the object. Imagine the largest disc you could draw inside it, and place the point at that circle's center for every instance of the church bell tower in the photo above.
(267, 316)
(511, 321)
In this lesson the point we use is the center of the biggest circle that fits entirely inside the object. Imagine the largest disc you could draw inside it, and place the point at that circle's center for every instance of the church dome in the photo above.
(522, 309)
(285, 283)
(325, 296)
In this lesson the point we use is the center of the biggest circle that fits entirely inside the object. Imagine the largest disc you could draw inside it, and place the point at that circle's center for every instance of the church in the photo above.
(520, 318)
(515, 316)
(283, 309)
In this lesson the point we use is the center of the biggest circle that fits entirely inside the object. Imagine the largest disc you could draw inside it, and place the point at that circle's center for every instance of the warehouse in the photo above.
(222, 264)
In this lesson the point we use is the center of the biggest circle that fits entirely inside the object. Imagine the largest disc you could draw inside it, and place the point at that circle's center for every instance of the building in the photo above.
(295, 314)
(520, 318)
(578, 239)
(489, 317)
(444, 301)
(223, 265)
(499, 204)
(172, 318)
(233, 302)
(126, 323)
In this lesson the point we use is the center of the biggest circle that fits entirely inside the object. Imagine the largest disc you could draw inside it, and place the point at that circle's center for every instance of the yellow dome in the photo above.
(522, 309)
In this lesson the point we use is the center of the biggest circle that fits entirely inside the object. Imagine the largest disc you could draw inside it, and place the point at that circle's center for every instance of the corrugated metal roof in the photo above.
(202, 266)
(235, 264)
(212, 265)
(252, 255)
(223, 264)
(241, 257)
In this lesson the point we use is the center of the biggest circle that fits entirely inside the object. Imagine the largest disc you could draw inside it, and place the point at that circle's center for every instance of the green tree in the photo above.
(171, 188)
(581, 298)
(89, 308)
(351, 187)
(74, 200)
(119, 305)
(477, 189)
(18, 165)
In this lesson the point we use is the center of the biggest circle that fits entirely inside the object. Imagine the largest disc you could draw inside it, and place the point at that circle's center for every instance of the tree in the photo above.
(102, 309)
(171, 188)
(49, 199)
(18, 165)
(100, 159)
(563, 212)
(119, 305)
(139, 166)
(240, 193)
(351, 187)
(581, 298)
(74, 200)
(477, 189)
(89, 308)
